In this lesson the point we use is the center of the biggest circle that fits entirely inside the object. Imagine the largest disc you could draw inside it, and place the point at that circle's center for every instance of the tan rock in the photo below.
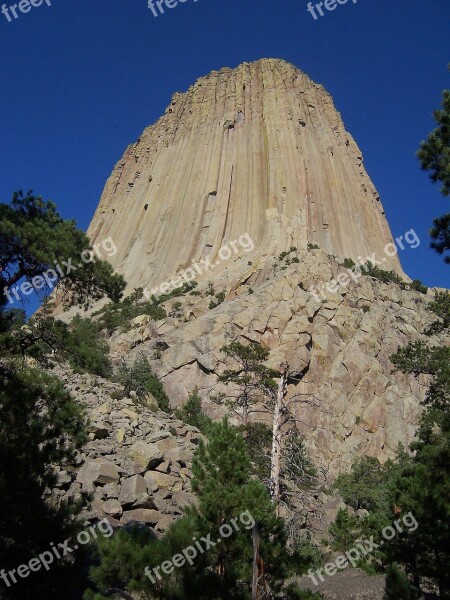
(146, 455)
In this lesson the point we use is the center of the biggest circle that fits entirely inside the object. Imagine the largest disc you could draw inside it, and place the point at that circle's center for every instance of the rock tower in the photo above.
(259, 149)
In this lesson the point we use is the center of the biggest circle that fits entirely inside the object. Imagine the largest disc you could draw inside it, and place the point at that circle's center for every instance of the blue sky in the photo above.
(81, 79)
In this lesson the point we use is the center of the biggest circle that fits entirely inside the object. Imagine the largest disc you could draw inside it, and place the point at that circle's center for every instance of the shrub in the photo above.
(418, 286)
(192, 413)
(138, 377)
(348, 263)
(385, 276)
(312, 246)
(220, 297)
(398, 586)
(293, 592)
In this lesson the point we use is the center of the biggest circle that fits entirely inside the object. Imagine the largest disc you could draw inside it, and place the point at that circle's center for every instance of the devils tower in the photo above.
(260, 154)
(258, 149)
(261, 151)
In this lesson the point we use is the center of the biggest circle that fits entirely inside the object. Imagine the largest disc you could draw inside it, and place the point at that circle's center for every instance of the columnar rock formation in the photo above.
(261, 150)
(257, 149)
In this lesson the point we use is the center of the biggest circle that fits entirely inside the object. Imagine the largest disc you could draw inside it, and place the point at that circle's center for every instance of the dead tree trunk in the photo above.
(278, 416)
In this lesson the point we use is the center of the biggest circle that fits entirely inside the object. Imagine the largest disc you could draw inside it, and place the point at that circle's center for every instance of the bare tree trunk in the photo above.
(276, 437)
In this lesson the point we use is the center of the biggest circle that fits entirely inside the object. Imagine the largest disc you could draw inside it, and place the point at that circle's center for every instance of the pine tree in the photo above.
(230, 503)
(434, 156)
(423, 485)
(33, 237)
(192, 413)
(222, 479)
(398, 586)
(40, 426)
(254, 381)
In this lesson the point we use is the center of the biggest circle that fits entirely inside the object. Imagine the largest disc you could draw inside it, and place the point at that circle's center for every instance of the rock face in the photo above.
(343, 388)
(259, 149)
(256, 153)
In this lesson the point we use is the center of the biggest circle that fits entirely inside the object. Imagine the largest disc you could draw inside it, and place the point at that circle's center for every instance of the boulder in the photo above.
(147, 455)
(132, 488)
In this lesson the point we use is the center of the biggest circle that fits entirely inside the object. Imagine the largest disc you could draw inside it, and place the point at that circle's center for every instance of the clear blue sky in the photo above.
(82, 78)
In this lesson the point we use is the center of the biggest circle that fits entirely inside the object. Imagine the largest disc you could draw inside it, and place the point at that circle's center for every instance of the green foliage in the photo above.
(295, 260)
(366, 484)
(222, 479)
(398, 586)
(348, 263)
(138, 377)
(434, 153)
(293, 592)
(344, 531)
(255, 381)
(115, 315)
(441, 308)
(440, 235)
(258, 441)
(418, 286)
(305, 555)
(85, 349)
(45, 338)
(192, 413)
(413, 490)
(365, 308)
(312, 246)
(434, 157)
(33, 237)
(40, 425)
(385, 276)
(226, 491)
(220, 297)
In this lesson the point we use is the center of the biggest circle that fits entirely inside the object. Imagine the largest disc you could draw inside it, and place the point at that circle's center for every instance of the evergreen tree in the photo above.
(254, 380)
(139, 377)
(423, 485)
(398, 586)
(222, 479)
(34, 237)
(229, 503)
(434, 157)
(192, 413)
(40, 426)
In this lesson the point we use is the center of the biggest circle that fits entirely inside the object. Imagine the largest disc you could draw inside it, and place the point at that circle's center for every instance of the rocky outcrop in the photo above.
(343, 390)
(259, 149)
(136, 466)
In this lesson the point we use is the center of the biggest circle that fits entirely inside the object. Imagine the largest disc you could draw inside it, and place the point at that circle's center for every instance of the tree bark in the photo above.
(276, 437)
